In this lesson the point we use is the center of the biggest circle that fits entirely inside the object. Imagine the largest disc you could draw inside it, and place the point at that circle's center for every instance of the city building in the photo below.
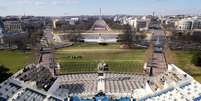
(184, 24)
(1, 36)
(54, 21)
(168, 20)
(188, 24)
(1, 25)
(121, 19)
(140, 24)
(13, 24)
(1, 30)
(64, 23)
(73, 20)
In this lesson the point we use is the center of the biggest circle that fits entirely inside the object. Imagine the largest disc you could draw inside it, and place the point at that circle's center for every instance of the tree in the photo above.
(4, 73)
(80, 26)
(74, 37)
(9, 40)
(196, 60)
(196, 36)
(127, 36)
(114, 25)
(35, 32)
(21, 40)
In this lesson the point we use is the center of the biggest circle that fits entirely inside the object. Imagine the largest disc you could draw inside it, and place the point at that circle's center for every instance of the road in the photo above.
(158, 62)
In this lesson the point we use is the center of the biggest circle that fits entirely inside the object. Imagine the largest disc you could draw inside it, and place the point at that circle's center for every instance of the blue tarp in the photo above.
(102, 98)
(87, 99)
(98, 98)
(197, 99)
(3, 99)
(75, 98)
(123, 99)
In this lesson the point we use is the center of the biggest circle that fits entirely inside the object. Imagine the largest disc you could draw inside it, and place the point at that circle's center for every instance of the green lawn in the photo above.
(14, 60)
(92, 46)
(183, 60)
(119, 60)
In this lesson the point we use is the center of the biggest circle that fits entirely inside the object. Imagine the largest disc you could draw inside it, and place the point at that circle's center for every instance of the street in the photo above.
(157, 62)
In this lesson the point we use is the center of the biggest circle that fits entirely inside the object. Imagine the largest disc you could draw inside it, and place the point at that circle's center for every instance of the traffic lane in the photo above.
(159, 63)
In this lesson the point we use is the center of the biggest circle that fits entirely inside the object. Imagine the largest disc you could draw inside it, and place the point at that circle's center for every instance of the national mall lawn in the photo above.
(85, 57)
(14, 60)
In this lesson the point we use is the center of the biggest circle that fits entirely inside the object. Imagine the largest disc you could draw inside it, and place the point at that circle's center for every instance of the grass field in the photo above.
(183, 60)
(14, 60)
(119, 60)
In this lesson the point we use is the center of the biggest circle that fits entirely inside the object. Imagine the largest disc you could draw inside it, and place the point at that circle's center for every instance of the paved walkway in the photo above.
(158, 59)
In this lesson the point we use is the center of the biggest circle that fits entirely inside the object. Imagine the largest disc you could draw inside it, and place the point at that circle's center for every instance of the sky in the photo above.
(91, 7)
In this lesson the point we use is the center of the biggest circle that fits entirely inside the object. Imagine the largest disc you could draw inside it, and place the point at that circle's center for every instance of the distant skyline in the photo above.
(91, 7)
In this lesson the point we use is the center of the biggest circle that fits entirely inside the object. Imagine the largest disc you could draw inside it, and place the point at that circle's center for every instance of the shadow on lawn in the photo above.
(4, 73)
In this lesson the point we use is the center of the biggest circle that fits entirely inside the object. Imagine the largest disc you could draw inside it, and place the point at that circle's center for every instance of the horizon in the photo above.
(96, 15)
(90, 7)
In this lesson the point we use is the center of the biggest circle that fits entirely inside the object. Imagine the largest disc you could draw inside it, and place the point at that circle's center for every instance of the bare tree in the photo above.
(128, 35)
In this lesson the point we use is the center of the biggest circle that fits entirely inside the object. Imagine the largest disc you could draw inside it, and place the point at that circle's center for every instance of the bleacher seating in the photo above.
(30, 95)
(83, 84)
(8, 89)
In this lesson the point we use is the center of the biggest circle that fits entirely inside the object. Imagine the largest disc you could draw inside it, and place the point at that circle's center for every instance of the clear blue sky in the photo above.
(91, 7)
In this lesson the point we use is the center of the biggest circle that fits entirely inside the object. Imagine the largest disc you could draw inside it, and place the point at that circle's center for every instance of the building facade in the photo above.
(139, 24)
(188, 24)
(13, 26)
